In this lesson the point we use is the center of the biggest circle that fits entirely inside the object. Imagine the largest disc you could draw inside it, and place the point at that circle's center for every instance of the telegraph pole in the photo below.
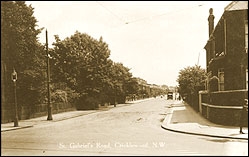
(48, 81)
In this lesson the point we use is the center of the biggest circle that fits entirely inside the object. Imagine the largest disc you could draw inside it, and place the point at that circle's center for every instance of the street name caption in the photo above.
(105, 145)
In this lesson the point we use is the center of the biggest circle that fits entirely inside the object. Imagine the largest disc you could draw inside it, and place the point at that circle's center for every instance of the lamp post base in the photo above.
(50, 114)
(49, 118)
(16, 122)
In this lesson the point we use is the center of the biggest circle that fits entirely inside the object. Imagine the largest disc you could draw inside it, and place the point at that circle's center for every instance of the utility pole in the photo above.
(48, 81)
(198, 59)
(115, 100)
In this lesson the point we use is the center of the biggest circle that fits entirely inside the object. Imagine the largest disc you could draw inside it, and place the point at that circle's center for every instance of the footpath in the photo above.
(59, 117)
(183, 119)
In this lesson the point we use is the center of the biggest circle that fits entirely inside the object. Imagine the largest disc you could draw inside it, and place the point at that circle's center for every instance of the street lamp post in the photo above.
(48, 81)
(14, 79)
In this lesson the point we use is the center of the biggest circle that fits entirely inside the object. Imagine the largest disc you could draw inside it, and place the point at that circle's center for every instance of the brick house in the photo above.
(227, 65)
(227, 48)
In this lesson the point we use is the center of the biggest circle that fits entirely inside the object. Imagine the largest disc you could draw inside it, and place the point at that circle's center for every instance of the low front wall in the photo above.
(7, 113)
(223, 116)
(225, 108)
(27, 112)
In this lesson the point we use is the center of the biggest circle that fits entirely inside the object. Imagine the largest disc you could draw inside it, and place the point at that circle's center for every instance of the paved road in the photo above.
(128, 130)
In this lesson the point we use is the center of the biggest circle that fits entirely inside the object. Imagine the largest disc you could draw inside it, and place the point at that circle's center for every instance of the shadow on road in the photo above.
(223, 140)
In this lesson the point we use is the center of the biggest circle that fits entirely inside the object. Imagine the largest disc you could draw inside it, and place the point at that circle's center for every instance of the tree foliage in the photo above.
(190, 79)
(83, 63)
(21, 51)
(124, 83)
(80, 61)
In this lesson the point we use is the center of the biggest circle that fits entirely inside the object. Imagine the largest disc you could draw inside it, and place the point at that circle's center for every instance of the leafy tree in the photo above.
(82, 63)
(121, 78)
(21, 51)
(132, 86)
(190, 79)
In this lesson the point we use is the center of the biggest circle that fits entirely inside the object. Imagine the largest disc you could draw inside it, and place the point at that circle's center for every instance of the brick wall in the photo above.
(27, 112)
(224, 116)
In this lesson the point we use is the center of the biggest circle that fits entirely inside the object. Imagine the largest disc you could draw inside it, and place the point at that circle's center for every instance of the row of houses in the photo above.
(226, 87)
(150, 90)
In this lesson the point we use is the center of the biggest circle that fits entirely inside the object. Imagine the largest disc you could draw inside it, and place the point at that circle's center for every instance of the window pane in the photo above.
(246, 78)
(221, 77)
(246, 41)
(246, 27)
(222, 87)
(246, 34)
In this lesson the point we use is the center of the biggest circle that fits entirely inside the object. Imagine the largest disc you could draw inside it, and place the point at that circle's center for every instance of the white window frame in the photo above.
(247, 78)
(209, 74)
(220, 72)
(246, 36)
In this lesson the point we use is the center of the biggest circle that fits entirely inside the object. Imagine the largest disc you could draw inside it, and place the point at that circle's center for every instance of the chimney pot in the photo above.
(211, 11)
(211, 21)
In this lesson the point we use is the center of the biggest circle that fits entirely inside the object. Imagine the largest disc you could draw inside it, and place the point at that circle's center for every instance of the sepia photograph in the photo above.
(124, 78)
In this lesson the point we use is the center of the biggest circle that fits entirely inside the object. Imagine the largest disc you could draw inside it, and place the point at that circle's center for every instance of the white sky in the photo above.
(160, 39)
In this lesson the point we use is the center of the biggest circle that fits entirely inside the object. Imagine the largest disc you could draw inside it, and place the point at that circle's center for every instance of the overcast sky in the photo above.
(156, 39)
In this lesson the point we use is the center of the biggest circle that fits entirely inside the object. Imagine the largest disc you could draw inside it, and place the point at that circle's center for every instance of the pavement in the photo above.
(182, 118)
(22, 124)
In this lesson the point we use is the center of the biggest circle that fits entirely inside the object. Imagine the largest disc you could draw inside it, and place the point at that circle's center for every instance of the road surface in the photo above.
(133, 129)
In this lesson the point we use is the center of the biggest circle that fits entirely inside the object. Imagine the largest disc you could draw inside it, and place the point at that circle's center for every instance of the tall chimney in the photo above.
(211, 21)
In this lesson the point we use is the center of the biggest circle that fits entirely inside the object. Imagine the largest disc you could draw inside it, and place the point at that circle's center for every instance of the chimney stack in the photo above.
(211, 21)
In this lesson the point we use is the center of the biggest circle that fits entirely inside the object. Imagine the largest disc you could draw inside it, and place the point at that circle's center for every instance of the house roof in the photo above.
(234, 5)
(237, 5)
